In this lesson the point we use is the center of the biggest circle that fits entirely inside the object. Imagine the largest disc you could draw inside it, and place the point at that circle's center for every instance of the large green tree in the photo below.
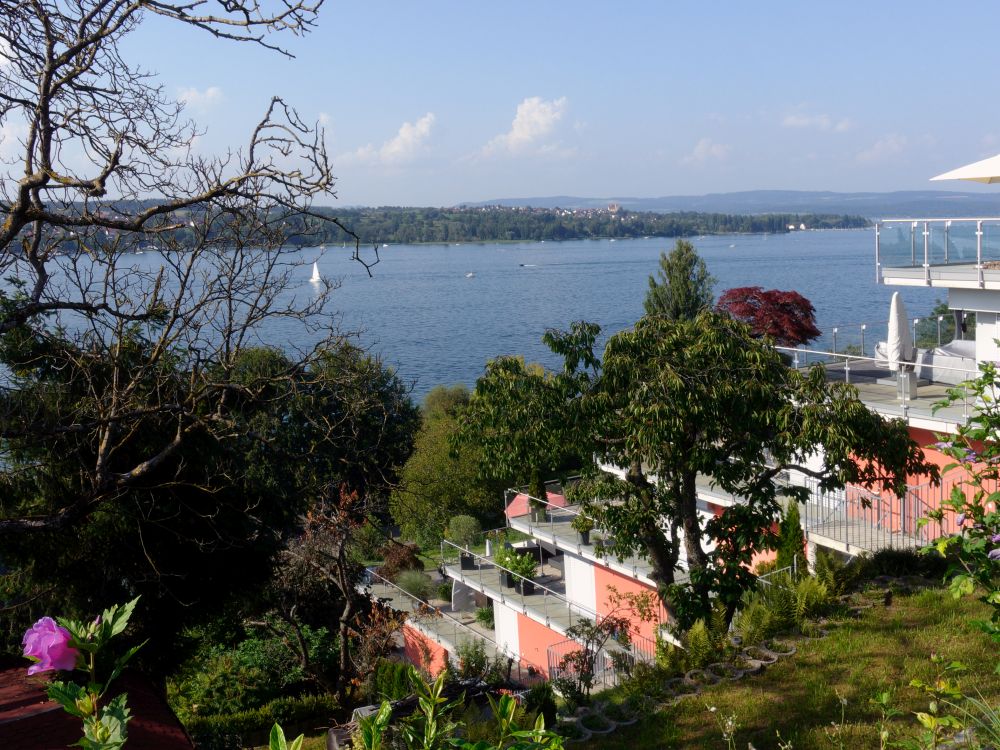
(514, 421)
(675, 403)
(441, 479)
(684, 286)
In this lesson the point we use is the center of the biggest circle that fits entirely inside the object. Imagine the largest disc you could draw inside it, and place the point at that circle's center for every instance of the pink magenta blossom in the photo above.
(49, 643)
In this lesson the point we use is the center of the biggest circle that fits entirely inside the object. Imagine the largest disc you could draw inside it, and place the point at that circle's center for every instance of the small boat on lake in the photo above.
(315, 278)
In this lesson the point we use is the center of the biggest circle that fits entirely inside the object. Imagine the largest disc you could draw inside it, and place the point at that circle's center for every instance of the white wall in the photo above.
(580, 586)
(505, 624)
(987, 331)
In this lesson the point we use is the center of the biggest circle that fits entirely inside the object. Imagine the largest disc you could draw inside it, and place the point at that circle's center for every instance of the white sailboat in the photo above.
(315, 278)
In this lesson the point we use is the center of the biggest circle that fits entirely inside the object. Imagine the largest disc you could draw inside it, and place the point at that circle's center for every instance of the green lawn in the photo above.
(883, 649)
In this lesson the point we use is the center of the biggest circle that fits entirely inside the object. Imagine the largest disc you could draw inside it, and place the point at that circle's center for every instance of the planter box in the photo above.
(507, 579)
(467, 560)
(525, 587)
(584, 537)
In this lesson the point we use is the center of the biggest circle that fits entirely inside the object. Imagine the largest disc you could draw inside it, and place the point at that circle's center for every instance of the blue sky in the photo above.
(435, 103)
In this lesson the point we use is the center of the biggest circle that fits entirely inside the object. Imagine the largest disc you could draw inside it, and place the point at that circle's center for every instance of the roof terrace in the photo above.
(956, 253)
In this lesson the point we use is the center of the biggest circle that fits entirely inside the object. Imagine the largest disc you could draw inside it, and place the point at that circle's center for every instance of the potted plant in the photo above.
(465, 532)
(505, 560)
(583, 525)
(524, 566)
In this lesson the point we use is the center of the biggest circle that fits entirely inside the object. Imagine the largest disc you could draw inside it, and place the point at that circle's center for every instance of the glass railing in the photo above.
(922, 243)
(879, 389)
(529, 595)
(443, 628)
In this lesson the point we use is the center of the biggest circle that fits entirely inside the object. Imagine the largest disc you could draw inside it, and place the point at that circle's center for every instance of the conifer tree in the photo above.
(791, 541)
(684, 288)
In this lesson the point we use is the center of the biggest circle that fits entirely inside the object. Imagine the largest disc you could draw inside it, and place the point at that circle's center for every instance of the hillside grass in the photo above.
(801, 696)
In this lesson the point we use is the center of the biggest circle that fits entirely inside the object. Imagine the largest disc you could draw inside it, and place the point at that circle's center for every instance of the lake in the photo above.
(425, 316)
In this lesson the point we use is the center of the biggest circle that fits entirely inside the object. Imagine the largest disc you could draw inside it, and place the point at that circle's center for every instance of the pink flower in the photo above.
(49, 644)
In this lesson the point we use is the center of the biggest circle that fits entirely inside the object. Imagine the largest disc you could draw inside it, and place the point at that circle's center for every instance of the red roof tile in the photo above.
(30, 721)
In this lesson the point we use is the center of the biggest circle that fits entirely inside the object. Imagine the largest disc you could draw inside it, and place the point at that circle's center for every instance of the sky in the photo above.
(440, 102)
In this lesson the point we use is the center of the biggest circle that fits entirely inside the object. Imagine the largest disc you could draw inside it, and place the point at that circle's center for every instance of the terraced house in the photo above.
(569, 575)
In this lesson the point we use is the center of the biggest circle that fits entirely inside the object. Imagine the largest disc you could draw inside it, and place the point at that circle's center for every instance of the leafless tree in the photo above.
(96, 166)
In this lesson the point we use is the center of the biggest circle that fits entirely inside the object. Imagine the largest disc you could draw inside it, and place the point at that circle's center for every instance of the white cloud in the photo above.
(817, 122)
(535, 119)
(404, 146)
(200, 99)
(707, 150)
(883, 148)
(324, 119)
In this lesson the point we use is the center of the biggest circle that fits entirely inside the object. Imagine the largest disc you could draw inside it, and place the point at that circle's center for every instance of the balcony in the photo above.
(546, 602)
(554, 526)
(451, 630)
(952, 253)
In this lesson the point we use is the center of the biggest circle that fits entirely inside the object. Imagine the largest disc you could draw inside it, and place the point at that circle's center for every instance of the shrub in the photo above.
(415, 583)
(444, 589)
(781, 602)
(368, 542)
(812, 599)
(905, 562)
(247, 728)
(465, 531)
(837, 575)
(472, 659)
(524, 564)
(766, 566)
(397, 558)
(700, 646)
(541, 699)
(392, 680)
(753, 622)
(791, 541)
(485, 617)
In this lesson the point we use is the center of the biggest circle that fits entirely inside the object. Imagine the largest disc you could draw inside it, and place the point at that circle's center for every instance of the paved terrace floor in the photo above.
(559, 532)
(547, 605)
(883, 398)
(451, 630)
(840, 525)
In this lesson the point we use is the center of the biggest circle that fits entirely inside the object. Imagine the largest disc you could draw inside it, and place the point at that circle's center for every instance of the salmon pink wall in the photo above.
(604, 577)
(424, 652)
(534, 640)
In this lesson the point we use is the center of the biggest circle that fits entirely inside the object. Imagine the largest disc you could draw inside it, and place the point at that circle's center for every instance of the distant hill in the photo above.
(903, 203)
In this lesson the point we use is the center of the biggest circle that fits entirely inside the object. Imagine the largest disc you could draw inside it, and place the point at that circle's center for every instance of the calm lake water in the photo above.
(425, 316)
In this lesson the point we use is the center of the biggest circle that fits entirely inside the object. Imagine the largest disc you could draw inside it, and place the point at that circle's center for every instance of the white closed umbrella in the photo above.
(899, 347)
(987, 170)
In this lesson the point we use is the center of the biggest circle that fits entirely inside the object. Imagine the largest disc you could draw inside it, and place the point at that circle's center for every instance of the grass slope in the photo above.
(800, 696)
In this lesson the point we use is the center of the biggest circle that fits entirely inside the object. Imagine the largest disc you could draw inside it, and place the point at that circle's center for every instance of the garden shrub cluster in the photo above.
(391, 680)
(239, 729)
(397, 557)
(226, 677)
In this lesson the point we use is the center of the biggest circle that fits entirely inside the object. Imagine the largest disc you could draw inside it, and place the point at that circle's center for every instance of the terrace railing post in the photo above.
(927, 259)
(913, 243)
(863, 328)
(878, 254)
(979, 252)
(947, 226)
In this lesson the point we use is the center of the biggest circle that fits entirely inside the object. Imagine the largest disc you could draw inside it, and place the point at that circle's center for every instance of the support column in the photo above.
(811, 557)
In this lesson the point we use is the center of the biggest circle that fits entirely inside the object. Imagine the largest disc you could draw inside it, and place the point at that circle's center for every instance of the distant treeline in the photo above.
(493, 224)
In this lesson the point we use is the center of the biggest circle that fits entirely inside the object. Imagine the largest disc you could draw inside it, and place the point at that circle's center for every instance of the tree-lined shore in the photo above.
(497, 224)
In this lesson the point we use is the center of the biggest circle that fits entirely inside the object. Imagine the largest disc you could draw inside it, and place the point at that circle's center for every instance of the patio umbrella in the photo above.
(987, 170)
(899, 346)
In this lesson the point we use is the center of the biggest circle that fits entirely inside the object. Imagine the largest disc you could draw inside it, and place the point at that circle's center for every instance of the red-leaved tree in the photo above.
(788, 317)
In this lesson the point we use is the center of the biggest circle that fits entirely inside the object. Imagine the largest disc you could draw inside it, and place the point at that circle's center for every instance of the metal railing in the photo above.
(557, 524)
(548, 606)
(610, 665)
(858, 370)
(444, 629)
(863, 519)
(926, 242)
